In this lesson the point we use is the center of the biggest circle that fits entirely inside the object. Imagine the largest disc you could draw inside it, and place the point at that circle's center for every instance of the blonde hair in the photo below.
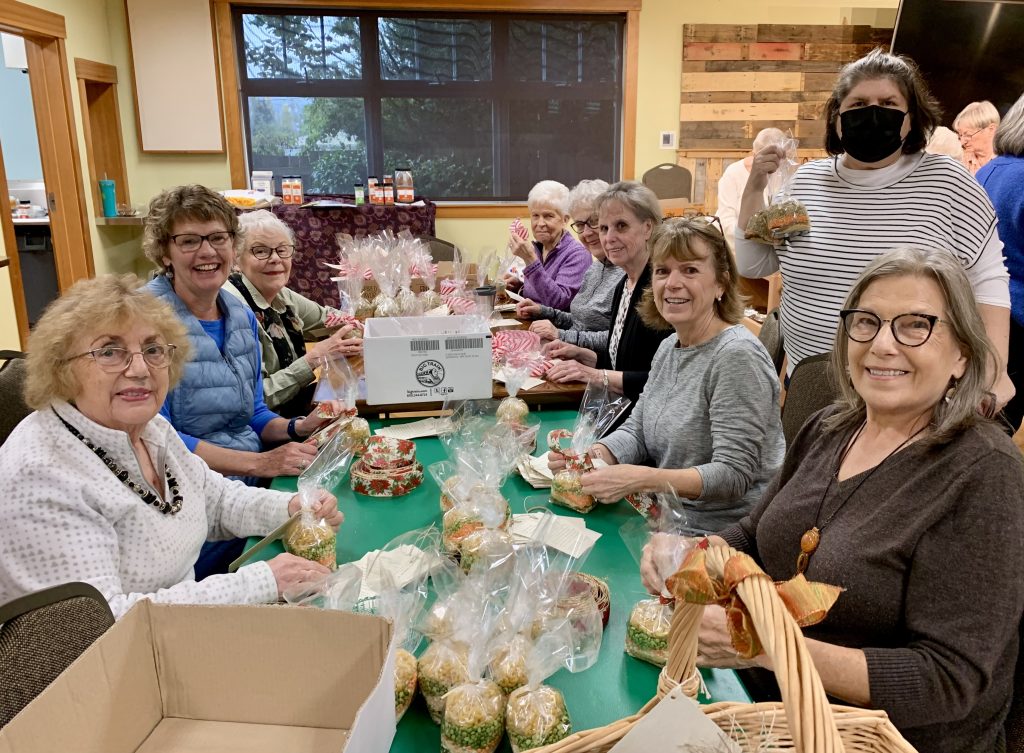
(686, 239)
(192, 202)
(977, 115)
(944, 141)
(103, 303)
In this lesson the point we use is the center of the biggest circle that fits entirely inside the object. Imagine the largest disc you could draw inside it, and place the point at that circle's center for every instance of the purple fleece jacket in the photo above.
(554, 282)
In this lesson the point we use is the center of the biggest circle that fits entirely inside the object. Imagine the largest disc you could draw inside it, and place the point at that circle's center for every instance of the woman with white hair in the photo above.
(555, 260)
(590, 314)
(285, 319)
(976, 126)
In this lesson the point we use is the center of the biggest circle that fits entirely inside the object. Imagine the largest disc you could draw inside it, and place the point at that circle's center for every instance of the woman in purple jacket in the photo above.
(555, 260)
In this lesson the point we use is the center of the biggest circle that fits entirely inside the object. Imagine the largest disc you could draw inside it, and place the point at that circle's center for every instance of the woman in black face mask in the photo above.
(878, 190)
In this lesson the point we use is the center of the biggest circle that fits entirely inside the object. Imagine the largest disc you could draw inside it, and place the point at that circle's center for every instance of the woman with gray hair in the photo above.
(284, 318)
(589, 314)
(906, 497)
(555, 261)
(976, 126)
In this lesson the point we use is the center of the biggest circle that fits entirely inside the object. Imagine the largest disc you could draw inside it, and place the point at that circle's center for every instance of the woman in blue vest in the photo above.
(192, 235)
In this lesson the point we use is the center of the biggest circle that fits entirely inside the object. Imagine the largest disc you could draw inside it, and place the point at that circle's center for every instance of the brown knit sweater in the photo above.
(930, 550)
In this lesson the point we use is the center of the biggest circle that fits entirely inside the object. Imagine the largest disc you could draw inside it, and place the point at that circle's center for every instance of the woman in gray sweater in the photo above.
(588, 319)
(708, 418)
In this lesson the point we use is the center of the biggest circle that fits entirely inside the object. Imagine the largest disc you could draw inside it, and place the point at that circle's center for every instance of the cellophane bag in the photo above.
(311, 537)
(337, 389)
(352, 276)
(474, 711)
(536, 714)
(647, 631)
(443, 664)
(424, 267)
(785, 216)
(599, 411)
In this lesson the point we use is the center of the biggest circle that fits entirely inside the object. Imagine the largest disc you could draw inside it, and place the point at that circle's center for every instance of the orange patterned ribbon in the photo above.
(808, 602)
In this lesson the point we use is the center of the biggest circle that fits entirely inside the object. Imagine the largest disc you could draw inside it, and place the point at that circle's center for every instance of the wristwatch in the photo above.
(291, 428)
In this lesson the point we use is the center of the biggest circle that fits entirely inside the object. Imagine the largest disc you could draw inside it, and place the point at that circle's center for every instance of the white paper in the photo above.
(441, 310)
(529, 384)
(498, 323)
(329, 203)
(535, 471)
(514, 296)
(502, 308)
(428, 427)
(403, 564)
(679, 719)
(568, 535)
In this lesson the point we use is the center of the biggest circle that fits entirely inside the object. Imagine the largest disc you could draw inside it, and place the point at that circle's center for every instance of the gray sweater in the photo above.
(713, 407)
(589, 317)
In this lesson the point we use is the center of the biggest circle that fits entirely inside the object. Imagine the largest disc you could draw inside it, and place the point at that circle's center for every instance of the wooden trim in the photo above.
(22, 19)
(531, 6)
(58, 151)
(480, 211)
(93, 71)
(13, 263)
(629, 94)
(227, 65)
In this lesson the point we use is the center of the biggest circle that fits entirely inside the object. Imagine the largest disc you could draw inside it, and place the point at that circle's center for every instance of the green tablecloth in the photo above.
(618, 685)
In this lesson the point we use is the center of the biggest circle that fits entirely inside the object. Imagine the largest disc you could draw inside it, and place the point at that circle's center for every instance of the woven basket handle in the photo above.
(809, 715)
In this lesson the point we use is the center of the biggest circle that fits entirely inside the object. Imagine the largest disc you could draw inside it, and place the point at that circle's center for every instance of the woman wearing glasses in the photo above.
(906, 497)
(99, 488)
(590, 313)
(192, 235)
(284, 317)
(708, 418)
(976, 126)
(879, 189)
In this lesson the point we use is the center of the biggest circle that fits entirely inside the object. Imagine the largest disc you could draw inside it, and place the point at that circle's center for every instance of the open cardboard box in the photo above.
(231, 679)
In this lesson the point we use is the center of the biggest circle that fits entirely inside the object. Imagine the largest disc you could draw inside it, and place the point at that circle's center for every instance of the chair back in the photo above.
(12, 399)
(771, 338)
(41, 634)
(669, 181)
(441, 250)
(811, 387)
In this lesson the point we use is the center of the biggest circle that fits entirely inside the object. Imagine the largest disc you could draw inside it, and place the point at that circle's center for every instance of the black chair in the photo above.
(669, 181)
(41, 634)
(811, 387)
(12, 399)
(771, 338)
(441, 250)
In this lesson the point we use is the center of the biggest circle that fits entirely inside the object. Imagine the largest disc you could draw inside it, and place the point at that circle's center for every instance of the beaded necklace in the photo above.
(167, 508)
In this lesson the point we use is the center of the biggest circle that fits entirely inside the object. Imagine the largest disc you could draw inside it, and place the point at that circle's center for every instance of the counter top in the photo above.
(31, 220)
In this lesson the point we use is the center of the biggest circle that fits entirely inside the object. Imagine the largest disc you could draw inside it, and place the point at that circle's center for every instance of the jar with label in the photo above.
(23, 209)
(360, 193)
(389, 190)
(373, 187)
(405, 194)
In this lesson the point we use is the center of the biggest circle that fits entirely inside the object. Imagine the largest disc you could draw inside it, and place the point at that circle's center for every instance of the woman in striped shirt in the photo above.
(879, 189)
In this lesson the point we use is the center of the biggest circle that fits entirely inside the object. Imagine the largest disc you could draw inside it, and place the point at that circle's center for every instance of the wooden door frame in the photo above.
(45, 34)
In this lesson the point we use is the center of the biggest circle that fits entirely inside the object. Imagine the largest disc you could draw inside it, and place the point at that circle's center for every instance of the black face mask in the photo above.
(870, 134)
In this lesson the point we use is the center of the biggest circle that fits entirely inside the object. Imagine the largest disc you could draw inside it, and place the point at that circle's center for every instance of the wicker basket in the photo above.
(804, 722)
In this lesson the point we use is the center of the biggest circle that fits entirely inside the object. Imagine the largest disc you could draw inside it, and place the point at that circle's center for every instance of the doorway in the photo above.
(46, 57)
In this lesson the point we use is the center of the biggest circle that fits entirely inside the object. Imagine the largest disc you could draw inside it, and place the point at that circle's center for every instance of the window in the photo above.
(479, 106)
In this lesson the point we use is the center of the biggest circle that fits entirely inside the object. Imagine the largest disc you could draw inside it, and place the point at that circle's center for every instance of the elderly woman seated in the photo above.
(708, 418)
(905, 496)
(590, 314)
(192, 235)
(976, 126)
(284, 318)
(555, 261)
(99, 488)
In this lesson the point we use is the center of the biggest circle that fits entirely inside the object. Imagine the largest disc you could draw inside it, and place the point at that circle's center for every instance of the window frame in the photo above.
(230, 53)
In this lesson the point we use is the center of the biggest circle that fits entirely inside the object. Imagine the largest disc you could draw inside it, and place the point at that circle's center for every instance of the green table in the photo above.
(618, 685)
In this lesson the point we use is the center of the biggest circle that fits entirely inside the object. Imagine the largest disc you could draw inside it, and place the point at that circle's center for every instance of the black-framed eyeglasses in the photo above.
(912, 330)
(284, 251)
(190, 242)
(579, 225)
(114, 360)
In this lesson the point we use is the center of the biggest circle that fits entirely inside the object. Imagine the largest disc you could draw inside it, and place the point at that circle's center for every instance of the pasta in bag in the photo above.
(785, 216)
(536, 714)
(309, 537)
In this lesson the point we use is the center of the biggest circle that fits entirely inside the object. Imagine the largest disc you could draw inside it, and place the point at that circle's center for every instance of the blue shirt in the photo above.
(1003, 181)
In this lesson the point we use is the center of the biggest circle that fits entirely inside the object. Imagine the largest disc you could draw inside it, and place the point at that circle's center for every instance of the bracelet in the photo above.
(291, 428)
(604, 377)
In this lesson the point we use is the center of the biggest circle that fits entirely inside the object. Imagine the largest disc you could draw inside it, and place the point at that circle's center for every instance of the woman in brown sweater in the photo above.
(907, 498)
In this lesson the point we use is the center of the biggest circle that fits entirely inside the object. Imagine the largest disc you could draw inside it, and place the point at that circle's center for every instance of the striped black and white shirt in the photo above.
(923, 200)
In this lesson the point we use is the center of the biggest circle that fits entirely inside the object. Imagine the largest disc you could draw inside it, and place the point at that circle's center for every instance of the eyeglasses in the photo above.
(912, 330)
(579, 225)
(969, 136)
(190, 242)
(707, 219)
(115, 360)
(284, 251)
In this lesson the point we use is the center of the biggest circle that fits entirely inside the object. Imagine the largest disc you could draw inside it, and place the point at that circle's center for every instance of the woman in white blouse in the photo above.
(99, 488)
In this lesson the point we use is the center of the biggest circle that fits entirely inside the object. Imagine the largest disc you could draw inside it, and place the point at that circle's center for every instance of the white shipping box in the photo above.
(169, 678)
(425, 359)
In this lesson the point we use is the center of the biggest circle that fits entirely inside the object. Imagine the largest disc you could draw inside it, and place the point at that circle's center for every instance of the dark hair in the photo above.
(679, 238)
(925, 113)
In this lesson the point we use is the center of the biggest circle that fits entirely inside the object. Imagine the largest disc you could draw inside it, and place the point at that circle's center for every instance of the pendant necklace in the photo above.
(812, 536)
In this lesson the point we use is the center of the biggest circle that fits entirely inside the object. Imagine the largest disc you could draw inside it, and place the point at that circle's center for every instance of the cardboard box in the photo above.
(424, 359)
(232, 679)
